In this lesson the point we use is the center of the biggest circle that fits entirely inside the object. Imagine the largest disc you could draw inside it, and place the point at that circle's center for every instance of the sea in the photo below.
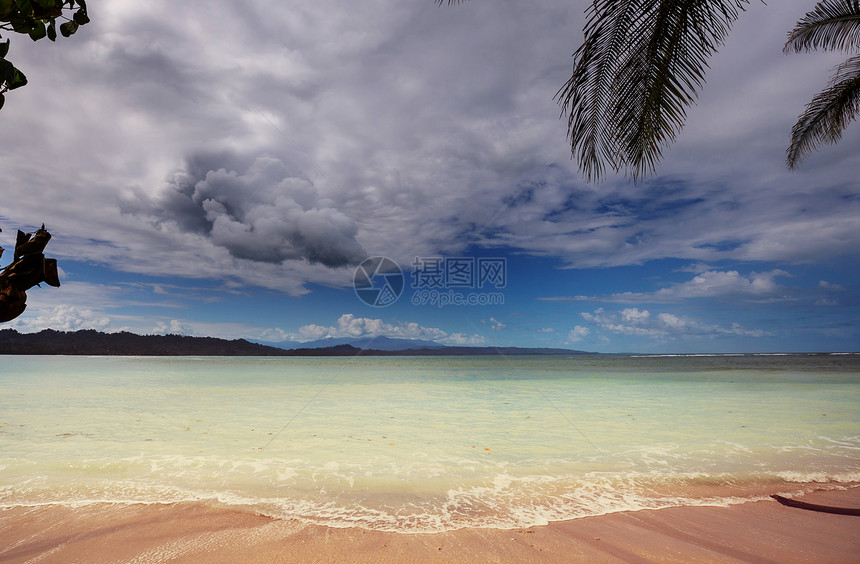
(427, 444)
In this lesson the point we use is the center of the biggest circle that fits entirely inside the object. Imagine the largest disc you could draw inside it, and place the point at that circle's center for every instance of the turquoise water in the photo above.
(427, 443)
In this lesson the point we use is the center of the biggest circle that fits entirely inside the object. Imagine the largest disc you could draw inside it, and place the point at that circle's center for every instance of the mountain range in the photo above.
(91, 342)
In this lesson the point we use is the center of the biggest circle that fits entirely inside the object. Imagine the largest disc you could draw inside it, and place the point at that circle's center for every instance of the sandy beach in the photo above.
(756, 532)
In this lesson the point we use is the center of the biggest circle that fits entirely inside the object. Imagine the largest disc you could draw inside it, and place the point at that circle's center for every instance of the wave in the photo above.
(505, 501)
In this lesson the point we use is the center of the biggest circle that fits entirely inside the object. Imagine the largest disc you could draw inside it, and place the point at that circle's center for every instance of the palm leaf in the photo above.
(588, 94)
(640, 66)
(831, 25)
(828, 114)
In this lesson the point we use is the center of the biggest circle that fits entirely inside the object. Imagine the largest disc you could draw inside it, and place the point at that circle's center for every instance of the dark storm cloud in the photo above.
(263, 213)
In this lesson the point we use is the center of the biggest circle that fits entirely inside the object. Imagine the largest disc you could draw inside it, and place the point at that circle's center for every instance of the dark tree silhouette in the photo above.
(28, 268)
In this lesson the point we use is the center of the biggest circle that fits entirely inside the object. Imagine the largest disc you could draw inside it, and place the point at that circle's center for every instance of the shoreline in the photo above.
(757, 532)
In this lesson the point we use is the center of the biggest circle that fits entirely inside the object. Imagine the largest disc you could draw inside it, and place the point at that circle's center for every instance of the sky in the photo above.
(225, 172)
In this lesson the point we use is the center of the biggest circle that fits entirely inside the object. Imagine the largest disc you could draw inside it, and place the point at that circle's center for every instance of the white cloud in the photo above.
(578, 333)
(312, 332)
(829, 289)
(173, 327)
(672, 321)
(634, 315)
(348, 325)
(757, 286)
(464, 340)
(494, 324)
(61, 318)
(662, 326)
(219, 329)
(74, 305)
(82, 305)
(716, 283)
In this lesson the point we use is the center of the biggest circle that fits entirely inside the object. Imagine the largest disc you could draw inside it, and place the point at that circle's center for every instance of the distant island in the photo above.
(95, 343)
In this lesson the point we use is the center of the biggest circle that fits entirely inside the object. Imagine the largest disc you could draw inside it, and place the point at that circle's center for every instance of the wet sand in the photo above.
(756, 532)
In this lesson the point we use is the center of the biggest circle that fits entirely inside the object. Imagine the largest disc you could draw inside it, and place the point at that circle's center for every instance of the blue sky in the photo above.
(231, 187)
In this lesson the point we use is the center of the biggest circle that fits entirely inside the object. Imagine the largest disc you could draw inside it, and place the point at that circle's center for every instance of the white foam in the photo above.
(838, 477)
(504, 501)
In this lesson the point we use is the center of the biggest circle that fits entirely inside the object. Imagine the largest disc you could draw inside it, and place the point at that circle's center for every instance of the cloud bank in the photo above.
(320, 134)
(262, 214)
(348, 325)
(662, 326)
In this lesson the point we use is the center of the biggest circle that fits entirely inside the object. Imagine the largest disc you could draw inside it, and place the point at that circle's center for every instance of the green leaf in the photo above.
(52, 30)
(38, 31)
(25, 7)
(47, 9)
(4, 48)
(5, 7)
(68, 28)
(81, 17)
(12, 76)
(21, 23)
(18, 80)
(7, 71)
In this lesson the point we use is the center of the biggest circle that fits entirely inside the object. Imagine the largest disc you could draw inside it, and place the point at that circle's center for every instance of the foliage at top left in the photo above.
(38, 19)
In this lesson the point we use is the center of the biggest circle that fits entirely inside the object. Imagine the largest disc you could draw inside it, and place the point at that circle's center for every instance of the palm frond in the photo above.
(640, 66)
(588, 94)
(828, 114)
(832, 25)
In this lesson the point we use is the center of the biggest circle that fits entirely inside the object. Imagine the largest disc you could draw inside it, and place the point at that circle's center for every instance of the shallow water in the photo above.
(427, 443)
